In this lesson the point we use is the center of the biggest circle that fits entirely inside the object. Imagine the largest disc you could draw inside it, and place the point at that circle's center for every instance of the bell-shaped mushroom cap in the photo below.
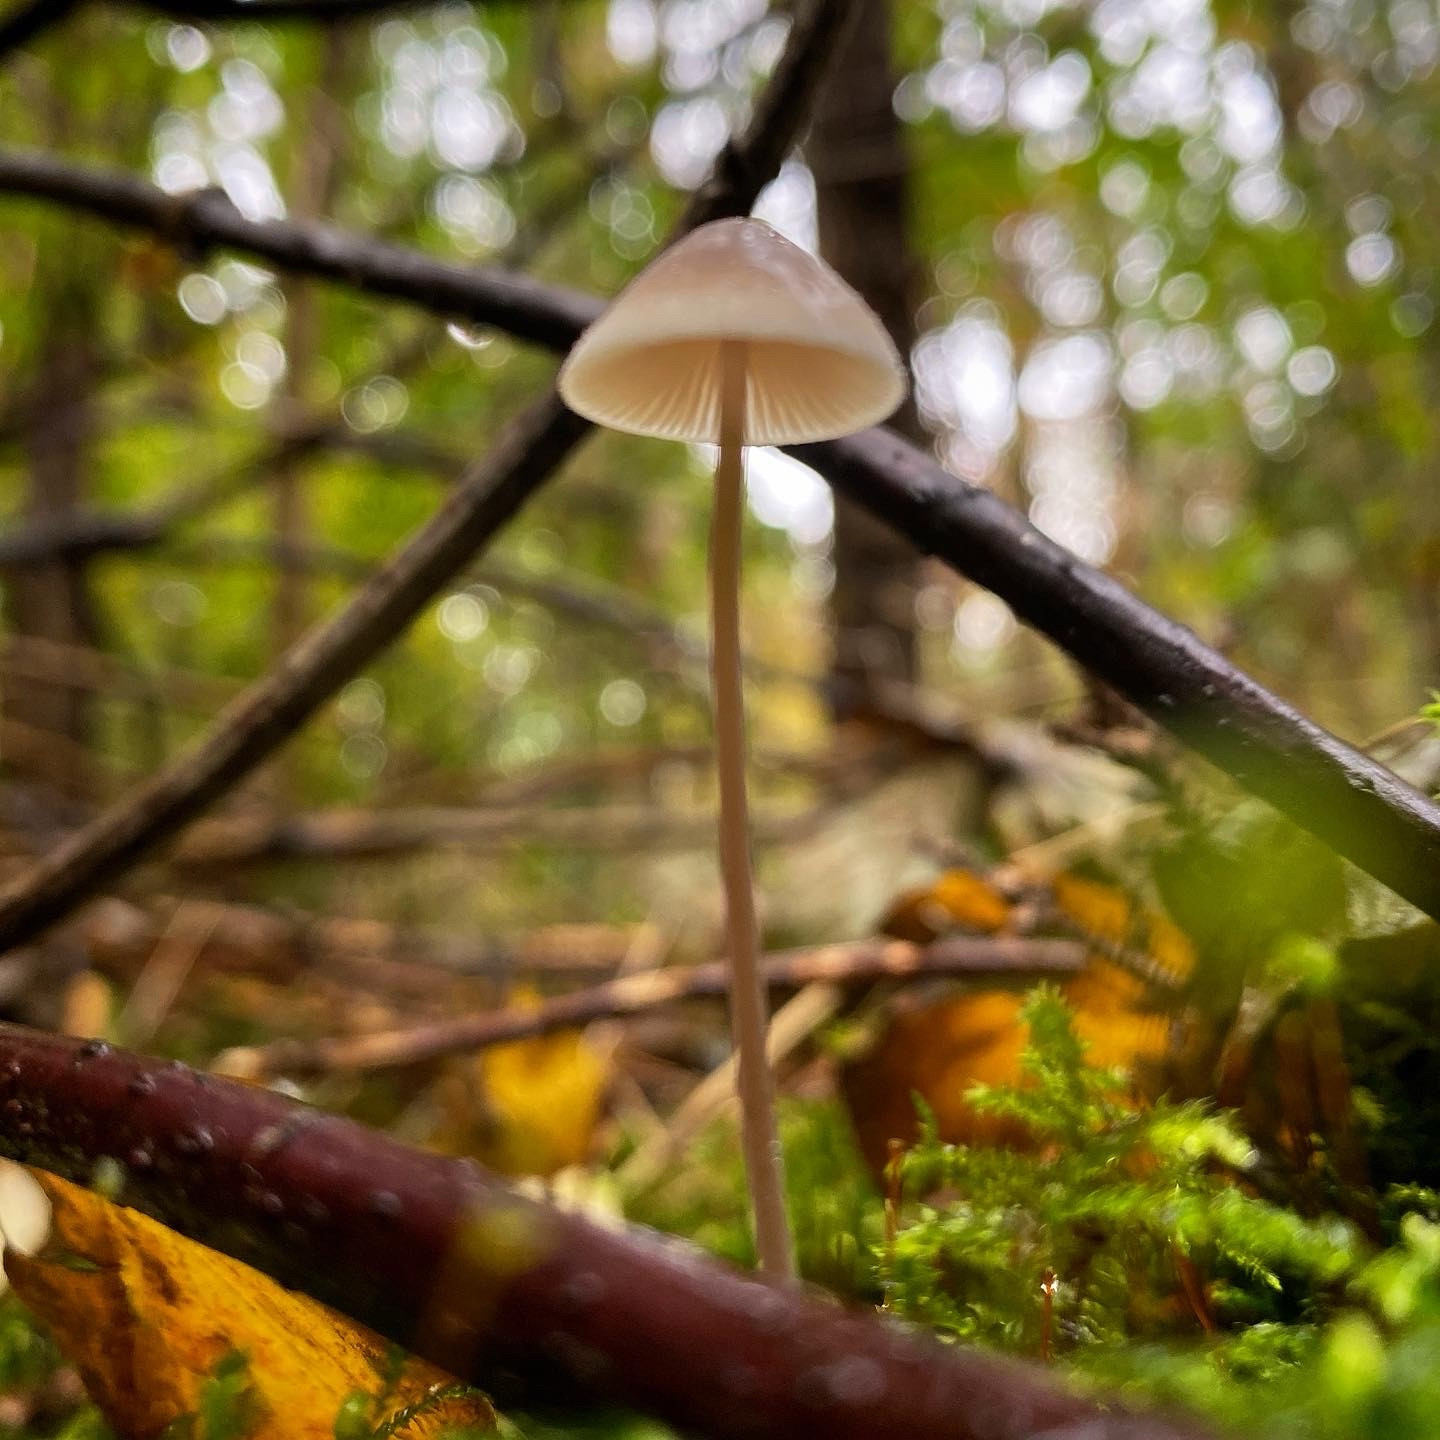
(819, 363)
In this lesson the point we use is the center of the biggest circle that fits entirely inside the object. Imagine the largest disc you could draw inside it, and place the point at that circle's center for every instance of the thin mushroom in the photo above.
(736, 337)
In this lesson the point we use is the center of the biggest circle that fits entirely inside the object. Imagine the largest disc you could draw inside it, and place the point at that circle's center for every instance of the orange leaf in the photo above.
(937, 1051)
(146, 1316)
(957, 900)
(1109, 915)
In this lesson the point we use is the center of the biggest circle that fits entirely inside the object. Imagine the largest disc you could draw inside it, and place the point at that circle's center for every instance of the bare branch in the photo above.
(277, 944)
(205, 219)
(1346, 798)
(857, 963)
(368, 834)
(1363, 810)
(440, 1257)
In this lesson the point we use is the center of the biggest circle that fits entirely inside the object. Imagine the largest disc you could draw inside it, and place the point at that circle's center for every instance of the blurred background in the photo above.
(1164, 270)
(1165, 274)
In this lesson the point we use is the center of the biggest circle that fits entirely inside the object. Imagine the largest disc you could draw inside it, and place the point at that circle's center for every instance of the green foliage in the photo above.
(226, 1409)
(1138, 1212)
(26, 1353)
(1368, 1375)
(835, 1211)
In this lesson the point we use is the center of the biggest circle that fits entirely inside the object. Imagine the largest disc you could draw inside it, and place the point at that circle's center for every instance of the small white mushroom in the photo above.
(737, 337)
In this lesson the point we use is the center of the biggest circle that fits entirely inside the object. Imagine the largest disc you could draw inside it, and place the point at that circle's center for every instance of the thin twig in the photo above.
(252, 940)
(790, 1026)
(351, 834)
(859, 962)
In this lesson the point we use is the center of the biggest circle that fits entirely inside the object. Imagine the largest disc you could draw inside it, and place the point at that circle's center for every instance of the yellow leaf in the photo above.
(146, 1316)
(526, 1108)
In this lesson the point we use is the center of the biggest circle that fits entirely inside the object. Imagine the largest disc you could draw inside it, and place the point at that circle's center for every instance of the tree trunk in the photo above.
(862, 180)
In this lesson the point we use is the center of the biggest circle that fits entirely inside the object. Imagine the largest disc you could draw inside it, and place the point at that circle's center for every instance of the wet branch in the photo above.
(860, 962)
(517, 1296)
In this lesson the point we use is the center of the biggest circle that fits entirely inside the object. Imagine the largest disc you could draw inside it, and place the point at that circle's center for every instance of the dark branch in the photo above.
(515, 1295)
(204, 219)
(528, 451)
(861, 962)
(1352, 802)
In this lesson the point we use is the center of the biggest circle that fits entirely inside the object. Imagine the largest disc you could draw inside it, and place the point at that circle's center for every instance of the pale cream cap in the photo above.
(819, 362)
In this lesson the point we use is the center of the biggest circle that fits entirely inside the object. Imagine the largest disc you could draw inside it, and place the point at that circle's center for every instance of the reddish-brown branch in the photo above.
(440, 1257)
(859, 962)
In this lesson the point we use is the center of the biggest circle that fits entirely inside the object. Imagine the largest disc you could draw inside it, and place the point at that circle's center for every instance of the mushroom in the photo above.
(737, 337)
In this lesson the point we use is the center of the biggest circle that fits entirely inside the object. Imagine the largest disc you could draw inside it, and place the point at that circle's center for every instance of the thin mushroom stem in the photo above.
(758, 1135)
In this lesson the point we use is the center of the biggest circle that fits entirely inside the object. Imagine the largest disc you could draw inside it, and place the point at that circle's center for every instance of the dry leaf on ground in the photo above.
(529, 1107)
(148, 1317)
(938, 1049)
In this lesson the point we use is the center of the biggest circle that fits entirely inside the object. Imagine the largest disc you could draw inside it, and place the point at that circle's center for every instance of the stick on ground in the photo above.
(515, 1295)
(860, 962)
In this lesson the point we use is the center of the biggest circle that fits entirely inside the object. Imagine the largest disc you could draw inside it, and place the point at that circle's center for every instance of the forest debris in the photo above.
(790, 1026)
(149, 1317)
(957, 899)
(939, 1049)
(170, 963)
(85, 1005)
(350, 834)
(258, 941)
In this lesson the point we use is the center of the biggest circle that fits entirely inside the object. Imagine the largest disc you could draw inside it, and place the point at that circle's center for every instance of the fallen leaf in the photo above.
(153, 1322)
(956, 900)
(1108, 914)
(527, 1108)
(939, 1049)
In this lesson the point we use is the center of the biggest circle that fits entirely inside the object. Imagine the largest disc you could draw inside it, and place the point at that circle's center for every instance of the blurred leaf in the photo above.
(167, 1333)
(526, 1108)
